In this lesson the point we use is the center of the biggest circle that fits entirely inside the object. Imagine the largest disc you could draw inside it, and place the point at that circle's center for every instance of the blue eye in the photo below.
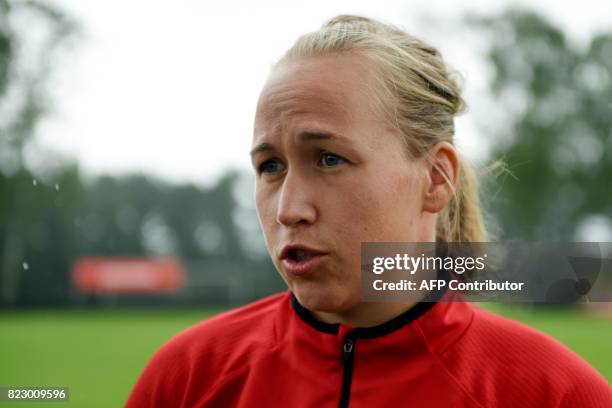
(331, 160)
(270, 166)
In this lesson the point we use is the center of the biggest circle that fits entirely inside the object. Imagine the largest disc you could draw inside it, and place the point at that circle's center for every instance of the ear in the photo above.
(443, 175)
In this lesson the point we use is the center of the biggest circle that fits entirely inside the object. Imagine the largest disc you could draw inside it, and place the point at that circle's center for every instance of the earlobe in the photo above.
(443, 171)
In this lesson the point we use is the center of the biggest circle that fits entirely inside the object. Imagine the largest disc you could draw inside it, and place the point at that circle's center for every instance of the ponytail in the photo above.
(464, 222)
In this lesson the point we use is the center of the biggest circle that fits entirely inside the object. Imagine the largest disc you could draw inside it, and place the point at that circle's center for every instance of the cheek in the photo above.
(266, 210)
(355, 216)
(388, 209)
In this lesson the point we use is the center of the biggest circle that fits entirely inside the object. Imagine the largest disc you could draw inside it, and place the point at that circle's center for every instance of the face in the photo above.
(331, 174)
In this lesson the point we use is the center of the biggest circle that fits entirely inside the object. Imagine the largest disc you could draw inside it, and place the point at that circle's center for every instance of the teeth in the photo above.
(302, 255)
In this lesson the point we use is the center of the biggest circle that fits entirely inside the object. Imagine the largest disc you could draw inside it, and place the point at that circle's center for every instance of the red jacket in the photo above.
(273, 353)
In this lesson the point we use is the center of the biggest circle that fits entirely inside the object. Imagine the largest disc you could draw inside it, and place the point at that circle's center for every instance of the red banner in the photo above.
(128, 275)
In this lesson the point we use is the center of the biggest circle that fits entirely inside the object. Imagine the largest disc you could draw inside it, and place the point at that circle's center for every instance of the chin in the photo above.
(325, 301)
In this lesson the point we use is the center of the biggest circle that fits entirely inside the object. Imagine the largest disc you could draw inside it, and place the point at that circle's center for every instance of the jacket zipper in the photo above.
(348, 350)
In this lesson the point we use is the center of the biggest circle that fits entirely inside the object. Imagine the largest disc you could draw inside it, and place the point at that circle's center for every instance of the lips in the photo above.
(300, 259)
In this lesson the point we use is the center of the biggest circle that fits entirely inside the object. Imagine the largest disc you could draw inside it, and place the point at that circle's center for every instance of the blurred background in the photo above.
(126, 194)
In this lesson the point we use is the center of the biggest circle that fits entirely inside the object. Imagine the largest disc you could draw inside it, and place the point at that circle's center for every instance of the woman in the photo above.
(353, 142)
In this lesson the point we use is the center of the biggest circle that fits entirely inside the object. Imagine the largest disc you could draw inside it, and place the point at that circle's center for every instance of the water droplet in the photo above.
(57, 187)
(34, 183)
(25, 266)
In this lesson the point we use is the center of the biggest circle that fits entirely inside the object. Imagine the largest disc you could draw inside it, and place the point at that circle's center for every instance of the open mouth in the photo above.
(300, 255)
(298, 259)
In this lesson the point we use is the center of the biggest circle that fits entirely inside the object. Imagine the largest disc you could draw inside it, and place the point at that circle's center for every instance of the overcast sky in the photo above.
(170, 87)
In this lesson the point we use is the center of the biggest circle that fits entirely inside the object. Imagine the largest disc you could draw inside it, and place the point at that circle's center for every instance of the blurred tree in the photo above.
(27, 58)
(29, 216)
(137, 215)
(558, 145)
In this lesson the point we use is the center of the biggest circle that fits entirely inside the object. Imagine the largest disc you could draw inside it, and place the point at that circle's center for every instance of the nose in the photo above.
(296, 202)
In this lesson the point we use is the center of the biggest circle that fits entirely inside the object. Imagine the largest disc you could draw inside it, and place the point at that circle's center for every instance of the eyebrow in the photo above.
(304, 137)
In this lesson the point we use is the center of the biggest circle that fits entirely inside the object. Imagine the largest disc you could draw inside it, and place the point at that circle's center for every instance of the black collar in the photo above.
(397, 322)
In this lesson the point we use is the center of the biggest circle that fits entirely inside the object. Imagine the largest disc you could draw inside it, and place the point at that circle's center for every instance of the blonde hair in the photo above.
(419, 98)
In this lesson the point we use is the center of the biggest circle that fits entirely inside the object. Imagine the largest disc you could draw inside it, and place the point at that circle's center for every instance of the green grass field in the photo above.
(99, 354)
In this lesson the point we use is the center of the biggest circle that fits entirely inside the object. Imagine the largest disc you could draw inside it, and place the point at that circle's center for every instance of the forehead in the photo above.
(331, 87)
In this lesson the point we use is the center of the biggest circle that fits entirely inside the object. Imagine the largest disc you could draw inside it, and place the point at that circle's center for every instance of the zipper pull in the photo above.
(348, 347)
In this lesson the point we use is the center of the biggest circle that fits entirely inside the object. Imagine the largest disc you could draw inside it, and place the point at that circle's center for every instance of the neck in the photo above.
(367, 314)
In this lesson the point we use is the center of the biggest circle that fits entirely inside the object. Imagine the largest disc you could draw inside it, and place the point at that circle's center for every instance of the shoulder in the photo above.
(209, 350)
(525, 344)
(512, 359)
(232, 327)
